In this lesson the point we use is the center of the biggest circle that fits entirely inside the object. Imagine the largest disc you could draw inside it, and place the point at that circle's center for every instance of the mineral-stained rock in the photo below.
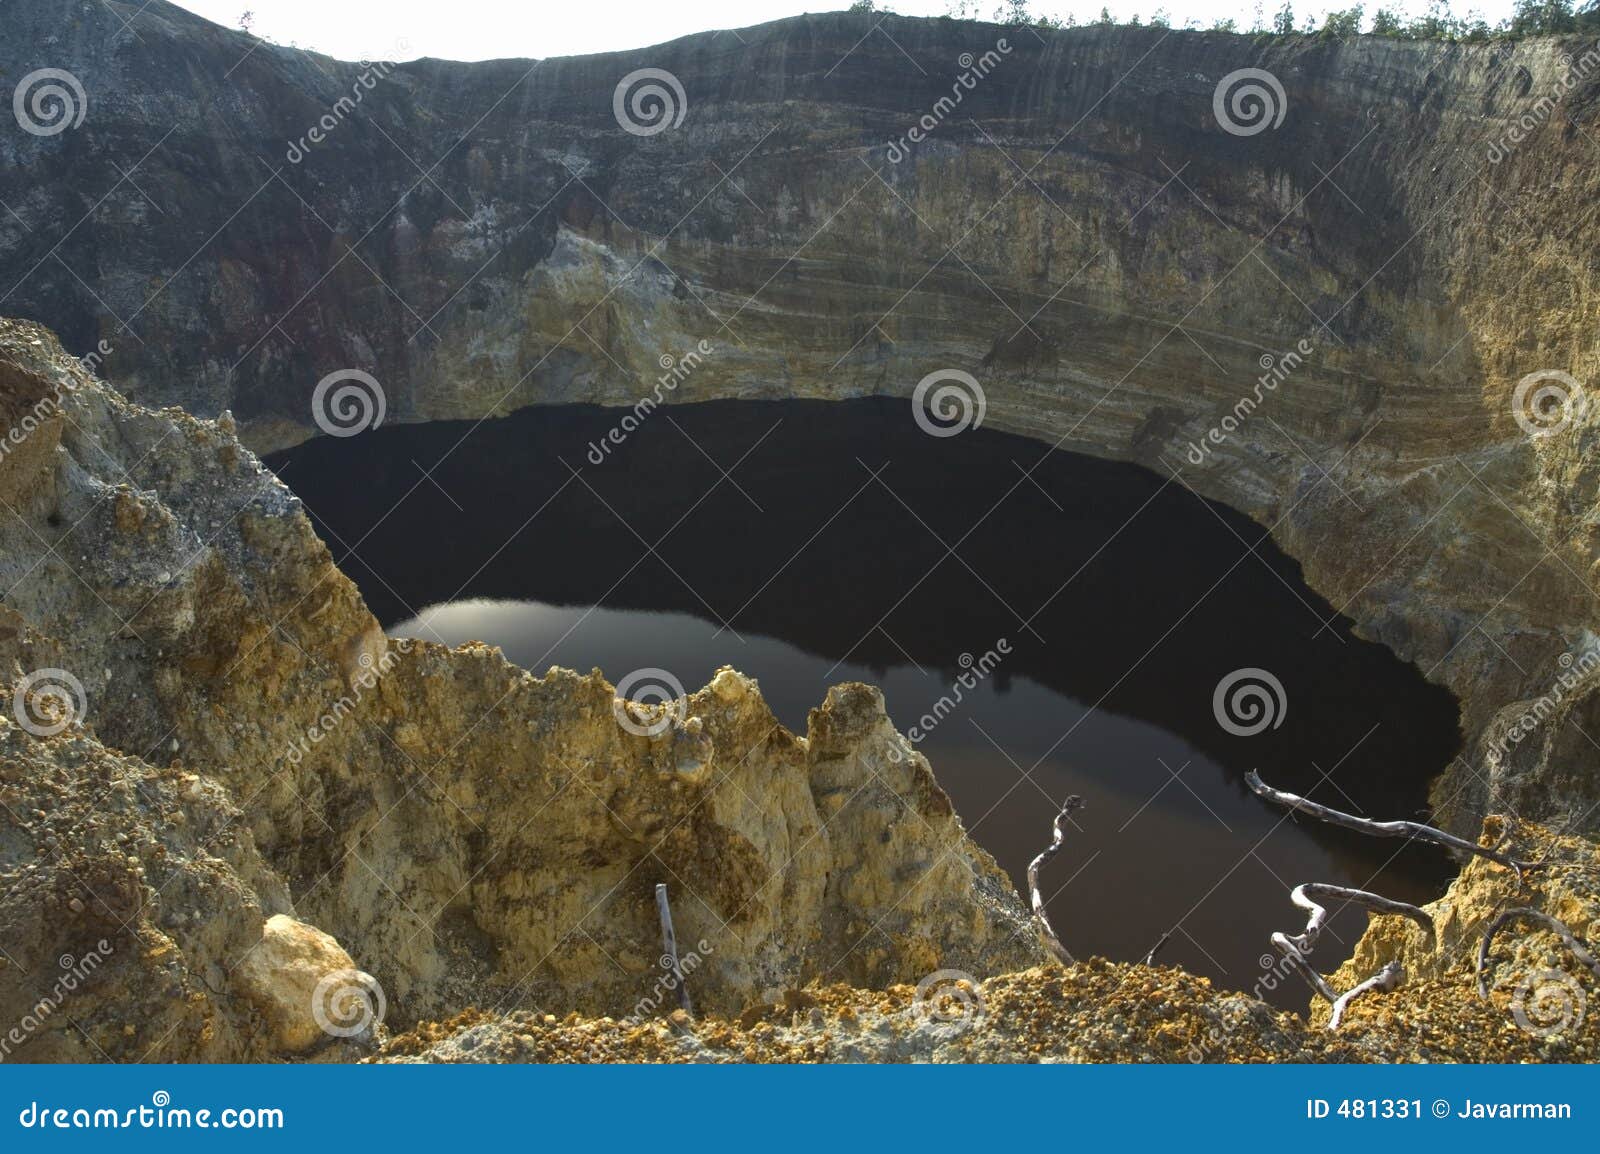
(466, 830)
(306, 987)
(130, 892)
(473, 835)
(1534, 982)
(1117, 269)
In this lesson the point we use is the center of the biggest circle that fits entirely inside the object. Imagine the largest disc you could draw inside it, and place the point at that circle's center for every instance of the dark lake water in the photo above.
(808, 543)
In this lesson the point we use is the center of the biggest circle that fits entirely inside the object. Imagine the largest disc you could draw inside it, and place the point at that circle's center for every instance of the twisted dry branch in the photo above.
(669, 946)
(1554, 925)
(1405, 829)
(1295, 949)
(1037, 898)
(1392, 975)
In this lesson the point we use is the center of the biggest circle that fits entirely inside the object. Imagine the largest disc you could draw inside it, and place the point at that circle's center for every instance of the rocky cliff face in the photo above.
(1078, 230)
(207, 729)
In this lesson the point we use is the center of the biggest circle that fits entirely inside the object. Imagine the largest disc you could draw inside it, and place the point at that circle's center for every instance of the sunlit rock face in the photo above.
(1322, 319)
(205, 730)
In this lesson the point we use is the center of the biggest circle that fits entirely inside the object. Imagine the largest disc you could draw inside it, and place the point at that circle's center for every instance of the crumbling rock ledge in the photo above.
(1082, 235)
(254, 748)
(268, 817)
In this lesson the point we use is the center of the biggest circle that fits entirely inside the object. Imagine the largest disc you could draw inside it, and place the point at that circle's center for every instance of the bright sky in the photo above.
(488, 29)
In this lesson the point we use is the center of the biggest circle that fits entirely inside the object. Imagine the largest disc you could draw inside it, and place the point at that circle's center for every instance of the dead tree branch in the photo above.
(1392, 975)
(1405, 829)
(669, 946)
(1296, 949)
(1554, 925)
(1057, 834)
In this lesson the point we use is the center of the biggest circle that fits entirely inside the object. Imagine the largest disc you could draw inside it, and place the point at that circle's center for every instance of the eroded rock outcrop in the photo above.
(1079, 232)
(468, 832)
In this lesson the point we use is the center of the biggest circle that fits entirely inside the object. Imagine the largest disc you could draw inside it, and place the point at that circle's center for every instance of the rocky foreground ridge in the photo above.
(1081, 234)
(235, 820)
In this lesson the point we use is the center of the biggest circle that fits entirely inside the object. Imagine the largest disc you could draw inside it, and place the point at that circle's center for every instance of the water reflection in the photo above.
(810, 543)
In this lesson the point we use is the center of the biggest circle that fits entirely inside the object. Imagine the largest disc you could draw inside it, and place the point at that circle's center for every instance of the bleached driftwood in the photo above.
(1405, 829)
(669, 946)
(1554, 925)
(1057, 834)
(1391, 976)
(1296, 949)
